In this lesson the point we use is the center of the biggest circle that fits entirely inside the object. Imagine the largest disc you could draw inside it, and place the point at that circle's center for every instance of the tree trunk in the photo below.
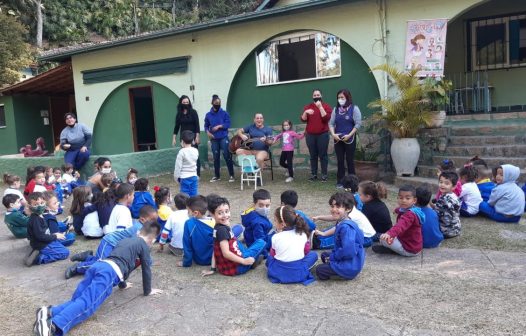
(40, 24)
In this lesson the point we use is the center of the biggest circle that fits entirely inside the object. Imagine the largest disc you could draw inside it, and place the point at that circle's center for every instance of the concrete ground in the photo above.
(474, 284)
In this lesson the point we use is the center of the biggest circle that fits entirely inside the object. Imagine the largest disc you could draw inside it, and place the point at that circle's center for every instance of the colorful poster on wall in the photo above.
(425, 46)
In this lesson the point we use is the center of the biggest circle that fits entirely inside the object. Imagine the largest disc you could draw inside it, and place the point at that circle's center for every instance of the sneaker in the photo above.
(339, 186)
(43, 313)
(289, 179)
(43, 327)
(324, 178)
(68, 220)
(178, 252)
(82, 256)
(311, 240)
(31, 258)
(258, 262)
(380, 249)
(215, 179)
(313, 178)
(231, 179)
(71, 271)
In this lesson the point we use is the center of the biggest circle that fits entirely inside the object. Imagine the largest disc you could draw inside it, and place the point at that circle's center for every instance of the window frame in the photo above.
(2, 108)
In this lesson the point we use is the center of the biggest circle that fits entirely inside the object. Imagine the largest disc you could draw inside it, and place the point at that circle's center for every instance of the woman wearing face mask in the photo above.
(345, 121)
(317, 115)
(102, 166)
(75, 140)
(187, 119)
(217, 123)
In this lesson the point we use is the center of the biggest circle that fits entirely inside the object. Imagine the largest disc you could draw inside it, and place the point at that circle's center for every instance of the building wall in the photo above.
(508, 83)
(29, 123)
(8, 143)
(217, 54)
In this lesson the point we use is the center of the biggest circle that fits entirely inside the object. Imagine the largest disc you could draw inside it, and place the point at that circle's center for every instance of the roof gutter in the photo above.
(253, 16)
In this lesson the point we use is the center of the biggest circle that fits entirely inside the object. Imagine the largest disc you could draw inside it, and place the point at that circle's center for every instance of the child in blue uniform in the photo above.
(348, 256)
(50, 216)
(290, 197)
(431, 234)
(255, 219)
(98, 284)
(141, 197)
(290, 258)
(483, 180)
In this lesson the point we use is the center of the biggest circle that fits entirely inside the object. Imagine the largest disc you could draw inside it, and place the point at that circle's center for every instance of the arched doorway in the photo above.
(285, 100)
(136, 116)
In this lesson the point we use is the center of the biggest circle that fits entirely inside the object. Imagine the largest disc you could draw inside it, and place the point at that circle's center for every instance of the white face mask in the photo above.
(132, 180)
(105, 170)
(286, 128)
(342, 101)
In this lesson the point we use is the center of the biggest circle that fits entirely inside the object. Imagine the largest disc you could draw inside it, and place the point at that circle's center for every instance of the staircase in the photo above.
(497, 138)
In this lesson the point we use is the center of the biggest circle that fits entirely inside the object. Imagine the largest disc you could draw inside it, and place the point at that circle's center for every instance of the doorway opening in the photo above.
(142, 119)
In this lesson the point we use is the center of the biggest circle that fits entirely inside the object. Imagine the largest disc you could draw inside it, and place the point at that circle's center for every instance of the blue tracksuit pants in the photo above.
(54, 251)
(254, 251)
(103, 251)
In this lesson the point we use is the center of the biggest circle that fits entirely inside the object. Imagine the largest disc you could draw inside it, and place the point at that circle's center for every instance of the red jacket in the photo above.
(408, 230)
(316, 124)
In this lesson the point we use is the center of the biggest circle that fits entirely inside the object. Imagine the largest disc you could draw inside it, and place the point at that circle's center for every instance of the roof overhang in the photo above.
(64, 54)
(57, 81)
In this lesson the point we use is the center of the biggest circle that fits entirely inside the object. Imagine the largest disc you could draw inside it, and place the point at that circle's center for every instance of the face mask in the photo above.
(217, 107)
(132, 181)
(316, 99)
(263, 211)
(38, 210)
(186, 106)
(286, 128)
(53, 212)
(105, 170)
(342, 101)
(90, 197)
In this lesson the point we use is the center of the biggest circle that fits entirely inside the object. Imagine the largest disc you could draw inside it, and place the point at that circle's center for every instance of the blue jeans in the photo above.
(190, 185)
(489, 211)
(54, 251)
(217, 146)
(103, 251)
(76, 158)
(253, 251)
(90, 294)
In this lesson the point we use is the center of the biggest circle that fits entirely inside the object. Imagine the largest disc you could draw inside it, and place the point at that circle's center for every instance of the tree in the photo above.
(15, 53)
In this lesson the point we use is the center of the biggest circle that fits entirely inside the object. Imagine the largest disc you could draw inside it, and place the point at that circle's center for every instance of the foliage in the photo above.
(367, 147)
(407, 111)
(438, 92)
(15, 54)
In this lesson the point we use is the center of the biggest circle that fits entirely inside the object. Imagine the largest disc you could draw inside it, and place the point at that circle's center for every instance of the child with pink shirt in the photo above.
(287, 148)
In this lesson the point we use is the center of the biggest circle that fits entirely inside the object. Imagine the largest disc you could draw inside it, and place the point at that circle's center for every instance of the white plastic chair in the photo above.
(250, 170)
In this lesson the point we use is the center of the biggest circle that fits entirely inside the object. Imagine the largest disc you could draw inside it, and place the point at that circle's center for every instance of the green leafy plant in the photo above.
(367, 149)
(409, 109)
(438, 92)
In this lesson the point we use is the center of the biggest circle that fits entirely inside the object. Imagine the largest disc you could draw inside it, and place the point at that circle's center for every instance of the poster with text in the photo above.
(426, 46)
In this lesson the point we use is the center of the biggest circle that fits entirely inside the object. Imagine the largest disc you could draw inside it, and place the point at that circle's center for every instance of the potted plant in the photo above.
(404, 113)
(365, 157)
(438, 95)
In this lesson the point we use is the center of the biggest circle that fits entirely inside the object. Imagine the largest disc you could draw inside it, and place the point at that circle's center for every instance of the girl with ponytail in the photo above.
(290, 258)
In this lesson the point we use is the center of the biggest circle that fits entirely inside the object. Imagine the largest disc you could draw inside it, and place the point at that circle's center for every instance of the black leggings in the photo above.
(286, 161)
(344, 153)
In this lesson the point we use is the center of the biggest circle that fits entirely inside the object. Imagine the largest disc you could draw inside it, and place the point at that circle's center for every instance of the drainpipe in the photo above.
(384, 32)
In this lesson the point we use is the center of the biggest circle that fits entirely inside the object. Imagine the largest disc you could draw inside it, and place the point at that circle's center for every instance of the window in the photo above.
(2, 116)
(296, 57)
(498, 42)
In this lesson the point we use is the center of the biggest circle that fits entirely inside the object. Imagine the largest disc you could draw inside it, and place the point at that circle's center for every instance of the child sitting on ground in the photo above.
(30, 179)
(15, 218)
(98, 284)
(162, 198)
(50, 216)
(255, 219)
(431, 234)
(141, 197)
(132, 176)
(371, 194)
(447, 205)
(448, 165)
(484, 183)
(173, 229)
(348, 256)
(290, 258)
(37, 183)
(405, 237)
(70, 179)
(230, 257)
(470, 196)
(290, 198)
(198, 235)
(506, 202)
(147, 215)
(12, 183)
(185, 171)
(350, 184)
(45, 246)
(120, 218)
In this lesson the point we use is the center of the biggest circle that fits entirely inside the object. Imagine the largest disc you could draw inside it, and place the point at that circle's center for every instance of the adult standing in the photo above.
(75, 139)
(345, 121)
(187, 119)
(262, 136)
(317, 115)
(217, 123)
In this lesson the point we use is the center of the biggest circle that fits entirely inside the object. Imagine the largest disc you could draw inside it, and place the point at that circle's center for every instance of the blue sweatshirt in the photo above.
(431, 234)
(198, 242)
(485, 187)
(115, 237)
(213, 119)
(508, 197)
(256, 227)
(310, 223)
(141, 198)
(359, 203)
(348, 256)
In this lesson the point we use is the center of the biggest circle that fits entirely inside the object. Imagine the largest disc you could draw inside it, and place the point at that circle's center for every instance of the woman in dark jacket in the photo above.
(187, 119)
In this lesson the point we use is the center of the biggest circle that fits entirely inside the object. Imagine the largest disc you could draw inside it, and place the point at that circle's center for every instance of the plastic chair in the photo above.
(249, 170)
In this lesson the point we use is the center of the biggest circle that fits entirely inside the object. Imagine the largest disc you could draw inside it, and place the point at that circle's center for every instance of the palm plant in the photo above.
(409, 109)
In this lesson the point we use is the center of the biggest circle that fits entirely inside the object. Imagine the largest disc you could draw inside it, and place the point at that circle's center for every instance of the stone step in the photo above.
(493, 161)
(479, 140)
(486, 116)
(416, 181)
(489, 128)
(487, 151)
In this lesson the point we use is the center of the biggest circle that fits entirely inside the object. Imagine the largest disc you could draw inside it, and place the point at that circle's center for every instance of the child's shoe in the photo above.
(380, 249)
(31, 258)
(71, 271)
(82, 256)
(289, 179)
